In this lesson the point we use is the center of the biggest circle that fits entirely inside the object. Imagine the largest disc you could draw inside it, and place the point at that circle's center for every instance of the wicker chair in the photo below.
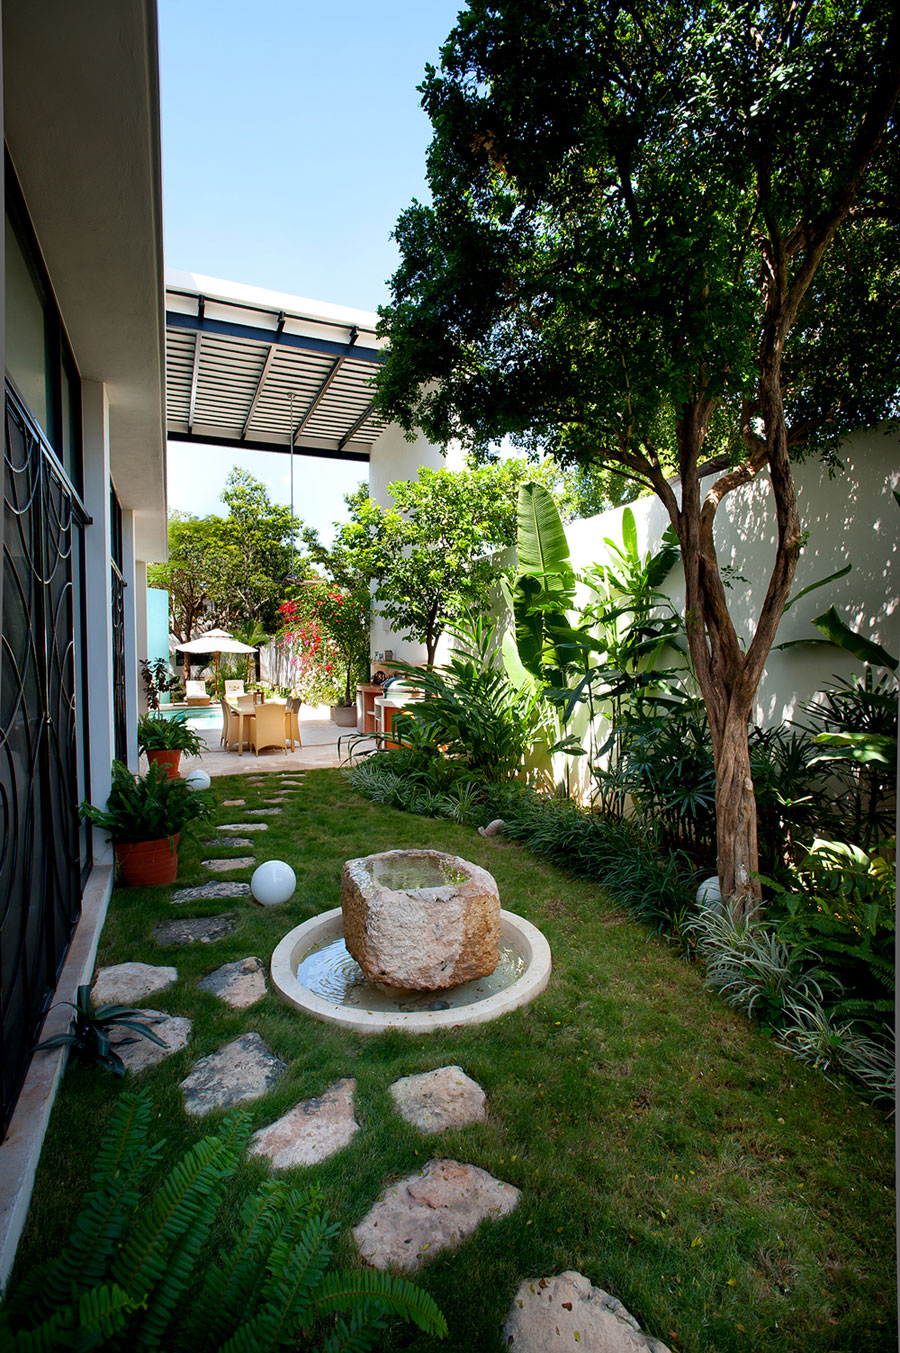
(292, 722)
(268, 728)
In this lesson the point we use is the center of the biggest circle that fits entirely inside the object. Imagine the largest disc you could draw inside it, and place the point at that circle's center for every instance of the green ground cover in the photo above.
(731, 1197)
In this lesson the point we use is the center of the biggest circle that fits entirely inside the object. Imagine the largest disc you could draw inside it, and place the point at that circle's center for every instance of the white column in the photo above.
(95, 406)
(143, 638)
(133, 642)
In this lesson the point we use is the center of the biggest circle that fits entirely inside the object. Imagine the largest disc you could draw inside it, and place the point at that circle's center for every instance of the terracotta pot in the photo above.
(144, 863)
(163, 756)
(344, 715)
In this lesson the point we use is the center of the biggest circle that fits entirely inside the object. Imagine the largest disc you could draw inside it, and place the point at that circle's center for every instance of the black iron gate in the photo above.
(40, 865)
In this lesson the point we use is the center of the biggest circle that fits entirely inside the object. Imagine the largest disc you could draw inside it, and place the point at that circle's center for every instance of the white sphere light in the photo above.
(272, 883)
(198, 779)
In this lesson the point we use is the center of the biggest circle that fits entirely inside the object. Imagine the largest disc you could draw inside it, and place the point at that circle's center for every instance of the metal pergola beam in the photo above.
(351, 431)
(284, 448)
(195, 378)
(249, 333)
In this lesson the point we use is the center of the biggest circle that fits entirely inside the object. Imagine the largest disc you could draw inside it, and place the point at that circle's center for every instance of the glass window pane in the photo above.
(26, 349)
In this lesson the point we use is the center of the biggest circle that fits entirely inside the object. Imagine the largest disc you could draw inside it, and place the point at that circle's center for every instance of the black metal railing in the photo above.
(40, 864)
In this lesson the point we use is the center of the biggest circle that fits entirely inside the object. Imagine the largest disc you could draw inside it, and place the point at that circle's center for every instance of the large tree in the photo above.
(663, 238)
(230, 571)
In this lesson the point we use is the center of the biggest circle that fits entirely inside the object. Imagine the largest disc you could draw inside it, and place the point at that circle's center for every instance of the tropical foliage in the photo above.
(146, 808)
(654, 241)
(134, 1276)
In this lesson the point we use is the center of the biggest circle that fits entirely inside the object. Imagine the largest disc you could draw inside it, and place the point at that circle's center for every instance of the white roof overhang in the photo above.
(81, 119)
(255, 369)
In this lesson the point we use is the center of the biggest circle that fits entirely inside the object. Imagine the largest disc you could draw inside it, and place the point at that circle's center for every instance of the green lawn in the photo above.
(731, 1197)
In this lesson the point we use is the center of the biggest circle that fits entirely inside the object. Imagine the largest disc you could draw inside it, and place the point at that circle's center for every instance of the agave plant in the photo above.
(89, 1034)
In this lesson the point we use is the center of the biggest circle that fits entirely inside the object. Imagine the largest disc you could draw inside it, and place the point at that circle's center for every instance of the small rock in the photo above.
(225, 866)
(230, 842)
(441, 1099)
(310, 1132)
(549, 1315)
(210, 892)
(430, 1210)
(127, 982)
(264, 812)
(233, 803)
(197, 930)
(493, 828)
(174, 1031)
(238, 984)
(243, 826)
(241, 1071)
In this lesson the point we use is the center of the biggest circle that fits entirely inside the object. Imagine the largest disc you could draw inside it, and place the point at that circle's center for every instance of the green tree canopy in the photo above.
(231, 571)
(663, 239)
(432, 555)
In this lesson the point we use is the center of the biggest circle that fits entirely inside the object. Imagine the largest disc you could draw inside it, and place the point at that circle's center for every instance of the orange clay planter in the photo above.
(171, 759)
(143, 864)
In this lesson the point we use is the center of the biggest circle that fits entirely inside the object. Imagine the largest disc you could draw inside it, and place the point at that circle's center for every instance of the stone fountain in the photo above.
(420, 942)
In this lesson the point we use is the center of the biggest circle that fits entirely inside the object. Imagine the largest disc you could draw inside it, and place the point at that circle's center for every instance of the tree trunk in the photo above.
(736, 844)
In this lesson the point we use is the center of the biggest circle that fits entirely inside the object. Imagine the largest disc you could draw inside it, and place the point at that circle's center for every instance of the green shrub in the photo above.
(146, 808)
(133, 1275)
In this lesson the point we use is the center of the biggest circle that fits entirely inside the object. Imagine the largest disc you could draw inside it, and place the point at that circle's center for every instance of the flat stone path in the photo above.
(310, 1132)
(243, 826)
(549, 1315)
(210, 892)
(231, 842)
(226, 866)
(440, 1099)
(197, 930)
(240, 984)
(240, 1071)
(174, 1030)
(430, 1211)
(124, 983)
(233, 803)
(264, 812)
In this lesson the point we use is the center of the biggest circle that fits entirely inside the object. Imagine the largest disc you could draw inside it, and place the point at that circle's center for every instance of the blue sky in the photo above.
(292, 139)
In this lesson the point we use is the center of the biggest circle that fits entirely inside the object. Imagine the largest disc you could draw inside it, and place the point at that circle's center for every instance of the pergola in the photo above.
(245, 370)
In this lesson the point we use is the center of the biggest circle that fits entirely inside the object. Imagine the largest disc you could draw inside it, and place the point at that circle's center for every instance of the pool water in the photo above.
(203, 716)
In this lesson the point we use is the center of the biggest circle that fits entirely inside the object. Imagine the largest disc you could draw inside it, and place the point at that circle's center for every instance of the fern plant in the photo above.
(130, 1276)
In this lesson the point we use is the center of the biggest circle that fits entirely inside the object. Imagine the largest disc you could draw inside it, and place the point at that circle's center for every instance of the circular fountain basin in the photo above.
(313, 972)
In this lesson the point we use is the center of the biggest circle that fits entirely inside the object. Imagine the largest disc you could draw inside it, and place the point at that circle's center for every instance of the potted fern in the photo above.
(144, 819)
(164, 740)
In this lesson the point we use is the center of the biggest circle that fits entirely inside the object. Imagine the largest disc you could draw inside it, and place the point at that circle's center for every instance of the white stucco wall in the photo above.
(392, 458)
(852, 518)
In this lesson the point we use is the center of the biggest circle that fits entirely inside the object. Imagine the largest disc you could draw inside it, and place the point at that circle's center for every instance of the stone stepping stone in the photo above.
(230, 841)
(197, 930)
(233, 803)
(243, 827)
(441, 1099)
(210, 892)
(243, 1070)
(238, 984)
(224, 866)
(430, 1210)
(174, 1030)
(310, 1132)
(264, 812)
(552, 1314)
(125, 983)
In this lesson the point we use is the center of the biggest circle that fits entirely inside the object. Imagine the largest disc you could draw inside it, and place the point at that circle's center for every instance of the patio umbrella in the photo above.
(215, 641)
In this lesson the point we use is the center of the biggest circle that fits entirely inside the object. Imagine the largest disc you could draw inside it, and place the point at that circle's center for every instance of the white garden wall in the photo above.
(852, 518)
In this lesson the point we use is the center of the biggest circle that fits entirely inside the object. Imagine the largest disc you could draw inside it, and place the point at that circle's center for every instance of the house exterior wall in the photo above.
(81, 128)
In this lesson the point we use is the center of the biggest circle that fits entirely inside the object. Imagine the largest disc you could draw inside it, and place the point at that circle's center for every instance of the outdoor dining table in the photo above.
(247, 713)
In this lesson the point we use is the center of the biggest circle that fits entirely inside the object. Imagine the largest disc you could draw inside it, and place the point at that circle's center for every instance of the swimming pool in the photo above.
(202, 716)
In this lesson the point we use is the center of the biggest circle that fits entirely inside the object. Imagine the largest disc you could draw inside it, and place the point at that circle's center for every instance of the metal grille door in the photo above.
(40, 866)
